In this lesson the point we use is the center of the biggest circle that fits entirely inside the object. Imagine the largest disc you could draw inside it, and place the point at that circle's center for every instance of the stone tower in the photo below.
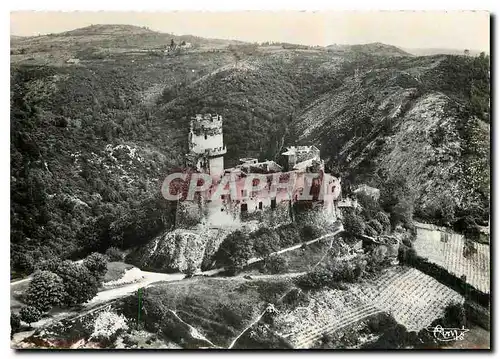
(206, 144)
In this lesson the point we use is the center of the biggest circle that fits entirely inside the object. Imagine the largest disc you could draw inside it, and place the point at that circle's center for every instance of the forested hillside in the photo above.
(423, 121)
(91, 142)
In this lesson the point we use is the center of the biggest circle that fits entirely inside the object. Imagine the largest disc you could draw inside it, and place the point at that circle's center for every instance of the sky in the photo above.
(408, 29)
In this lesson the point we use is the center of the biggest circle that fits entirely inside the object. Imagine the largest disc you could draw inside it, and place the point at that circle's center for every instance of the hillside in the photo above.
(422, 119)
(375, 48)
(99, 42)
(92, 141)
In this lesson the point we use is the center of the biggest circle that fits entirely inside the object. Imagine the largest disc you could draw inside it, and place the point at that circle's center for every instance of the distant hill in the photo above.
(375, 48)
(110, 37)
(441, 51)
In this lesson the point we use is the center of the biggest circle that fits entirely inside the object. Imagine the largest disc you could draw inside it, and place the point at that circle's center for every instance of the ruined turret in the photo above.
(206, 144)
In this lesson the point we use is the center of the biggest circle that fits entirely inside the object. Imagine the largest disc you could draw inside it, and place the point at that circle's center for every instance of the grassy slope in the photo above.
(219, 308)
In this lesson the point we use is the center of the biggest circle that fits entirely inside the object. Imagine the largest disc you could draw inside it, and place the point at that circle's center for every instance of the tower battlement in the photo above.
(208, 123)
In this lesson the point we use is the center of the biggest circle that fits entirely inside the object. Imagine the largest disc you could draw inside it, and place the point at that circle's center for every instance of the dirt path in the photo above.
(247, 327)
(297, 246)
(193, 331)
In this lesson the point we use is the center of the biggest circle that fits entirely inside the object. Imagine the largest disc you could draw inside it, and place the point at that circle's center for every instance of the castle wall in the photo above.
(268, 216)
(216, 165)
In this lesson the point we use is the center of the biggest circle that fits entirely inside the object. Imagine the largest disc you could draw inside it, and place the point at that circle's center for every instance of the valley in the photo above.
(101, 115)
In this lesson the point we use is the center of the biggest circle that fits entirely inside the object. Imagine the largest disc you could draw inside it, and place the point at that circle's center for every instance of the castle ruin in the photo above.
(273, 203)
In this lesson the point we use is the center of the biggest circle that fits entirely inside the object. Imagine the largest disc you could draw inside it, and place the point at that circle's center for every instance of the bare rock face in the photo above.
(181, 250)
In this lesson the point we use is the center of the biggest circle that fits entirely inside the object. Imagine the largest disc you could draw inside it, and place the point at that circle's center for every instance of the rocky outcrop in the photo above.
(181, 250)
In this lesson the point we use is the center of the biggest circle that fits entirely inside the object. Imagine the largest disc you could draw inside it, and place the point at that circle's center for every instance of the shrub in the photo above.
(376, 225)
(96, 263)
(296, 298)
(406, 254)
(114, 254)
(370, 231)
(455, 316)
(23, 262)
(275, 265)
(190, 268)
(45, 290)
(108, 326)
(15, 324)
(30, 315)
(402, 213)
(384, 220)
(80, 284)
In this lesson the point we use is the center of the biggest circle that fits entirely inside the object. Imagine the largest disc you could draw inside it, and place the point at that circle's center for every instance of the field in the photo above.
(448, 252)
(412, 297)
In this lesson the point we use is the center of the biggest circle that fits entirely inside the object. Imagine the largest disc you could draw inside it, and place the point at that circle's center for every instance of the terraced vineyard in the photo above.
(412, 297)
(447, 251)
(328, 311)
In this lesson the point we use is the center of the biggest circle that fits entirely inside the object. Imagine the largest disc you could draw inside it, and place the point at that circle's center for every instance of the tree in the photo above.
(97, 265)
(114, 254)
(275, 264)
(369, 204)
(15, 324)
(316, 279)
(235, 251)
(46, 290)
(30, 315)
(265, 241)
(80, 284)
(402, 213)
(353, 224)
(23, 262)
(50, 265)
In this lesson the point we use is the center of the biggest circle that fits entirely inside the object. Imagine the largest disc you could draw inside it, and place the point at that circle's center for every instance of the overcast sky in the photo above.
(420, 29)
